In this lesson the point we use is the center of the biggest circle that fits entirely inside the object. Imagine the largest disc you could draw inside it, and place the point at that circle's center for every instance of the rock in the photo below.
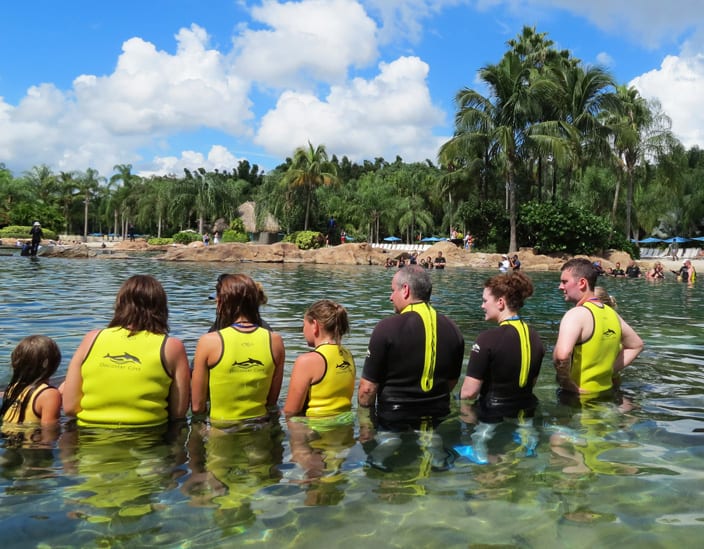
(77, 251)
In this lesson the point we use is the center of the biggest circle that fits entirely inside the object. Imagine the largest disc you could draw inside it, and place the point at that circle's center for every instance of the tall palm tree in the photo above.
(639, 129)
(309, 169)
(88, 185)
(502, 120)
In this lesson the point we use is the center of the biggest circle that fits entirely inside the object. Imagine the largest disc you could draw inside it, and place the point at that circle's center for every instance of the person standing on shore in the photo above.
(593, 342)
(37, 235)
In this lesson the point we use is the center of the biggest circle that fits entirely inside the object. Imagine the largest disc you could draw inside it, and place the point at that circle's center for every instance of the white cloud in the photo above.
(679, 86)
(647, 22)
(307, 42)
(219, 158)
(604, 59)
(388, 115)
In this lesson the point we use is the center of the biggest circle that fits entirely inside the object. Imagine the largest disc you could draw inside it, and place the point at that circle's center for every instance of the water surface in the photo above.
(576, 477)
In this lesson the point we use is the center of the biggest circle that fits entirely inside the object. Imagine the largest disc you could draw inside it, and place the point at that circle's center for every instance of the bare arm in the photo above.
(279, 351)
(177, 366)
(366, 393)
(73, 384)
(48, 406)
(208, 345)
(632, 345)
(307, 369)
(572, 331)
(470, 387)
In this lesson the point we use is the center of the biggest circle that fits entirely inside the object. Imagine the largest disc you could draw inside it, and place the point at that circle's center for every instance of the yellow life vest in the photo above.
(333, 393)
(29, 394)
(593, 360)
(125, 383)
(241, 379)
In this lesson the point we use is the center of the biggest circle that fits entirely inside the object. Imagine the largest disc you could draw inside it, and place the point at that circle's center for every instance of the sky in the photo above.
(165, 85)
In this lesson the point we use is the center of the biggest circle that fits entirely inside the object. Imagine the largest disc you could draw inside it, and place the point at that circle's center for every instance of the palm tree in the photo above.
(88, 185)
(639, 129)
(309, 169)
(502, 120)
(68, 190)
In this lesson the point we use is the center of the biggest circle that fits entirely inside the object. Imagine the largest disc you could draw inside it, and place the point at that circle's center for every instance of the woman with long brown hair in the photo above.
(132, 373)
(239, 368)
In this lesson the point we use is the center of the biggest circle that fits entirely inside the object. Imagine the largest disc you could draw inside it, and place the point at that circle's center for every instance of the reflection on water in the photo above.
(626, 472)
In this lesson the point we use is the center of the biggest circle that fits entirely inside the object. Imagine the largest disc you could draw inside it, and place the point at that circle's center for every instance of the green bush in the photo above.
(22, 232)
(186, 237)
(160, 241)
(306, 240)
(561, 228)
(237, 225)
(234, 236)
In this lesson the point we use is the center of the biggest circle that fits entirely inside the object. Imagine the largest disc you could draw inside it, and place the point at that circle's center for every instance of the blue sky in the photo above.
(171, 84)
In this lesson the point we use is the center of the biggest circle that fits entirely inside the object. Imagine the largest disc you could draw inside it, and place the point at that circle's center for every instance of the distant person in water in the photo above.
(132, 373)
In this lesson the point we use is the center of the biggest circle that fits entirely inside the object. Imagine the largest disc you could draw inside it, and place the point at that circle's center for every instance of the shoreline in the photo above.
(343, 254)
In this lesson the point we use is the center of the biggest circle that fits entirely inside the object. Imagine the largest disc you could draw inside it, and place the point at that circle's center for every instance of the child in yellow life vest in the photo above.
(30, 398)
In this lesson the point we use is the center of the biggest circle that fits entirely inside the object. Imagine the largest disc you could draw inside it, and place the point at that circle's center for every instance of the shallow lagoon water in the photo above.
(630, 475)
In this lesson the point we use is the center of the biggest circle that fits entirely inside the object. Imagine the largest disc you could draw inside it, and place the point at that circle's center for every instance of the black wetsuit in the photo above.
(496, 360)
(37, 235)
(395, 360)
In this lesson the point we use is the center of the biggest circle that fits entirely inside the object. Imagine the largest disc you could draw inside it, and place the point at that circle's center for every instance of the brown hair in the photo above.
(514, 287)
(141, 304)
(331, 316)
(238, 296)
(35, 359)
(582, 268)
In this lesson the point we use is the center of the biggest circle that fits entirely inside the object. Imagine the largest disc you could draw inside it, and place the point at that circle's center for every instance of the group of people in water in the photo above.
(133, 374)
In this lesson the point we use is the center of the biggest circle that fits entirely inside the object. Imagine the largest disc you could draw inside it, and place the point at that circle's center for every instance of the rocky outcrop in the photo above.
(344, 254)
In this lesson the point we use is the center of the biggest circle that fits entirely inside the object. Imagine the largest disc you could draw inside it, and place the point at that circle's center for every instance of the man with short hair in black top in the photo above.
(414, 358)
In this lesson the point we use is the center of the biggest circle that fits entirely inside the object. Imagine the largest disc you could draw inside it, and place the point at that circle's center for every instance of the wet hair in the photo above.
(238, 296)
(35, 359)
(141, 304)
(602, 295)
(418, 281)
(331, 316)
(514, 287)
(582, 268)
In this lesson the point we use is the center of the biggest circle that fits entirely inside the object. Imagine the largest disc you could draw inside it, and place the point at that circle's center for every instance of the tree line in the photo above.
(546, 144)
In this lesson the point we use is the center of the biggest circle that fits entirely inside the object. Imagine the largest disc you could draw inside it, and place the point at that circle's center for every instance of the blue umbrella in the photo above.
(650, 240)
(392, 239)
(431, 239)
(676, 240)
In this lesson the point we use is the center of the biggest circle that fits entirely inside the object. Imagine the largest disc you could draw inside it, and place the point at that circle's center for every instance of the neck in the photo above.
(587, 297)
(508, 315)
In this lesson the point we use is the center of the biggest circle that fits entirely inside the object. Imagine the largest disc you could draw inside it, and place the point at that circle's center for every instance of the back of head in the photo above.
(418, 281)
(238, 298)
(514, 287)
(141, 304)
(331, 316)
(602, 295)
(582, 268)
(36, 357)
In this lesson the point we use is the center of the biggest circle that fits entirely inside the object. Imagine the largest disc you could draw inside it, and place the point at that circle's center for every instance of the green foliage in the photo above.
(620, 242)
(487, 221)
(306, 240)
(559, 227)
(234, 236)
(160, 241)
(186, 237)
(22, 232)
(237, 225)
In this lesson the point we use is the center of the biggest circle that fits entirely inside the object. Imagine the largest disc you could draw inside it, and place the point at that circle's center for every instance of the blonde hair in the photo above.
(602, 295)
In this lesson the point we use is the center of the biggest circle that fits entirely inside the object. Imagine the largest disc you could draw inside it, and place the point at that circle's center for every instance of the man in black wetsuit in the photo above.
(414, 358)
(413, 363)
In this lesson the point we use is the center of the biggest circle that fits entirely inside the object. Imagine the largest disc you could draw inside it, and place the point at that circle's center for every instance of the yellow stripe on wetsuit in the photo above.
(524, 337)
(429, 316)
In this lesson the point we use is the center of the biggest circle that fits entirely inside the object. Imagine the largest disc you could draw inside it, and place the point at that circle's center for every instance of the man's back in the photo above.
(396, 361)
